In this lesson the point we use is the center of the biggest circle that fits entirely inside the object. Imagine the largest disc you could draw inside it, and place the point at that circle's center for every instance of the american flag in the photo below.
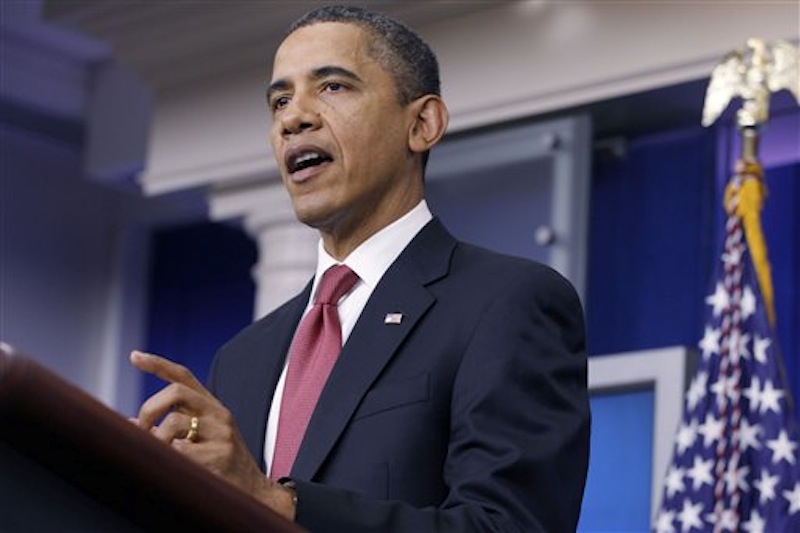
(735, 462)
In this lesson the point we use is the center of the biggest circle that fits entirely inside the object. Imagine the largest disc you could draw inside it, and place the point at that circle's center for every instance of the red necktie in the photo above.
(314, 350)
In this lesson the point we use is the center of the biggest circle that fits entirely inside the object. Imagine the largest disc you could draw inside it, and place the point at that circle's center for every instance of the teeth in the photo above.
(307, 157)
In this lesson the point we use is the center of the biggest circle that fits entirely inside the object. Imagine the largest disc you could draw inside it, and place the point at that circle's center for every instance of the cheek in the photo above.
(365, 140)
(273, 136)
(276, 144)
(359, 122)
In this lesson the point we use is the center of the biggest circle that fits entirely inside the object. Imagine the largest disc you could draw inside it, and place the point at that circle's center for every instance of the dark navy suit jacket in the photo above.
(471, 414)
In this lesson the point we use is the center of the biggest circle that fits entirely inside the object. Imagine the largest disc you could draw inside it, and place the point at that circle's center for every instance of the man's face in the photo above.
(340, 134)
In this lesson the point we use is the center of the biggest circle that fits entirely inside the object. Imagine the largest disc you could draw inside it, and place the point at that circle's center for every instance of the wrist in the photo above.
(289, 488)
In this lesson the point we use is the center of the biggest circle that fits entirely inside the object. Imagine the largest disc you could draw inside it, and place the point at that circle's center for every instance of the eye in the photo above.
(279, 102)
(333, 86)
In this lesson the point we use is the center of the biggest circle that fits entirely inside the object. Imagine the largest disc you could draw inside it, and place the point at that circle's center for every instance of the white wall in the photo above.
(518, 60)
(74, 265)
(533, 57)
(59, 234)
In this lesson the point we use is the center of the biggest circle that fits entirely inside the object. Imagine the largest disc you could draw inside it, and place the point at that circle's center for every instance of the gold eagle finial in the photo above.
(752, 73)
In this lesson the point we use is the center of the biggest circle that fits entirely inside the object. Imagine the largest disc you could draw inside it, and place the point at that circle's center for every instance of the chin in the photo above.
(313, 217)
(317, 210)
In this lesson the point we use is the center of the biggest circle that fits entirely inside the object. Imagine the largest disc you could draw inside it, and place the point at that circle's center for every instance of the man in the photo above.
(458, 401)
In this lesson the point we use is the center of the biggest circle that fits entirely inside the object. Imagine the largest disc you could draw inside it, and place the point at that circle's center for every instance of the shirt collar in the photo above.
(372, 258)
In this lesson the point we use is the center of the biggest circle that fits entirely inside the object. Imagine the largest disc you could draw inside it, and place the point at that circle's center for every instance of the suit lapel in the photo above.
(373, 343)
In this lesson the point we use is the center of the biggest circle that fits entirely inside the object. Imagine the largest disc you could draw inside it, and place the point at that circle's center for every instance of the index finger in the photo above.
(165, 369)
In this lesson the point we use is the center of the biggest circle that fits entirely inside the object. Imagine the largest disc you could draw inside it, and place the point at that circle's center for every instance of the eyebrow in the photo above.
(316, 74)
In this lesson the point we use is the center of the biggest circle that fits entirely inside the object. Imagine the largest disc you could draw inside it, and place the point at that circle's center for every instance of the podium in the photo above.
(69, 463)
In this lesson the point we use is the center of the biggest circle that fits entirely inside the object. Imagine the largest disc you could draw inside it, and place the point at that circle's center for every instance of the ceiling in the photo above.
(176, 42)
(170, 43)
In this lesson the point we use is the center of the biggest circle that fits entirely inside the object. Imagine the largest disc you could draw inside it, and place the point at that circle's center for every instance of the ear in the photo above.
(429, 122)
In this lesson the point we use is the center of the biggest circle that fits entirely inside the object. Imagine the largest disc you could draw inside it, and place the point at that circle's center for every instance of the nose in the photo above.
(299, 116)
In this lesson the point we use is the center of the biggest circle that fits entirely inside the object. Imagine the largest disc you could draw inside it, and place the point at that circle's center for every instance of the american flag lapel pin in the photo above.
(393, 318)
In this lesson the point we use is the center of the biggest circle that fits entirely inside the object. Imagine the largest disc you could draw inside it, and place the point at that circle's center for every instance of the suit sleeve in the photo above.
(519, 428)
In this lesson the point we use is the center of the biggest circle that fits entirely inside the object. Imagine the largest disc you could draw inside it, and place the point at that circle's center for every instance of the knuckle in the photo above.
(182, 372)
(226, 418)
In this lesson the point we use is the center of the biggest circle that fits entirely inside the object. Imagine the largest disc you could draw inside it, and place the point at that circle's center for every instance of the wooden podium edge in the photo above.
(96, 449)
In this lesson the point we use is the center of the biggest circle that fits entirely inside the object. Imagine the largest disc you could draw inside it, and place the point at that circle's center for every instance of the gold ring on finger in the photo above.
(194, 429)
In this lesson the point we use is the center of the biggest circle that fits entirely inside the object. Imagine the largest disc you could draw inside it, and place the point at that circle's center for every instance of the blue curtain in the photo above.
(781, 225)
(651, 242)
(201, 294)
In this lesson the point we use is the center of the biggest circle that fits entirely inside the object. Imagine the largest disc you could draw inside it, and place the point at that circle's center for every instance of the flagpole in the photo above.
(752, 73)
(749, 143)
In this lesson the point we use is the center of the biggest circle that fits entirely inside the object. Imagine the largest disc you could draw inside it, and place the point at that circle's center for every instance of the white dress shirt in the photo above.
(370, 261)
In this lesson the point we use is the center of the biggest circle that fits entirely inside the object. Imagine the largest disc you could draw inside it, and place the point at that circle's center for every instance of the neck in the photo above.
(341, 241)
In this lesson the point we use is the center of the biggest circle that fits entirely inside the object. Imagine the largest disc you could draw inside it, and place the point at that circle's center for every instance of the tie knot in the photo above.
(336, 282)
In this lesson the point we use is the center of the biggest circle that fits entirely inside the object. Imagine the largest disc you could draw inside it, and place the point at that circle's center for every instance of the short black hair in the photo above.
(397, 48)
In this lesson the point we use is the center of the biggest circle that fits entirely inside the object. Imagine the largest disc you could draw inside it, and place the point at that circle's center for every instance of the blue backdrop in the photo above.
(201, 294)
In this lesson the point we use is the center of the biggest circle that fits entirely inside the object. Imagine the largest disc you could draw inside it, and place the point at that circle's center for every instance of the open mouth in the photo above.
(304, 159)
